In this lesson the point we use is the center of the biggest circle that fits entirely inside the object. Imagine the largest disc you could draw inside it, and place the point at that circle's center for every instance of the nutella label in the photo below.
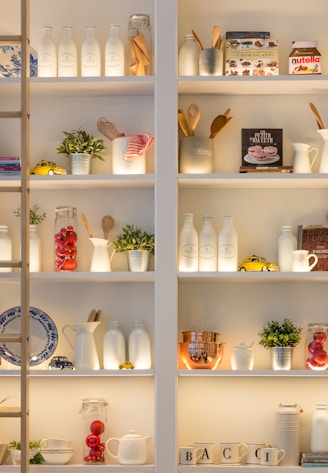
(305, 64)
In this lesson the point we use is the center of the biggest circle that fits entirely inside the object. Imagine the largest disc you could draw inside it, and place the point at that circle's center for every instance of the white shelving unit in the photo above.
(172, 404)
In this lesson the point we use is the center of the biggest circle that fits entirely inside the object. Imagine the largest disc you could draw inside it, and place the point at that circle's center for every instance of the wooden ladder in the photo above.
(23, 115)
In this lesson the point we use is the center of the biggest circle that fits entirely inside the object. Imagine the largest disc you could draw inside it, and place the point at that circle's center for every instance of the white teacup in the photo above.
(253, 454)
(189, 455)
(233, 452)
(271, 456)
(55, 443)
(301, 261)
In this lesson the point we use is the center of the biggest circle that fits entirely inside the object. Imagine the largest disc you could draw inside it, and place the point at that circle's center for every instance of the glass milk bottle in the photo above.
(47, 54)
(113, 346)
(6, 248)
(140, 62)
(188, 245)
(228, 246)
(114, 53)
(207, 246)
(94, 415)
(35, 249)
(139, 346)
(67, 54)
(287, 243)
(319, 429)
(188, 56)
(90, 54)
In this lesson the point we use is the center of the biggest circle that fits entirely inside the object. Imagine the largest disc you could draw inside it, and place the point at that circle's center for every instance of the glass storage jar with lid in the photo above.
(94, 416)
(140, 45)
(316, 347)
(65, 239)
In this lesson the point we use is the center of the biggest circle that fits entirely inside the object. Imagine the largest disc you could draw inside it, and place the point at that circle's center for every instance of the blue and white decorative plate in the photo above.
(43, 336)
(10, 60)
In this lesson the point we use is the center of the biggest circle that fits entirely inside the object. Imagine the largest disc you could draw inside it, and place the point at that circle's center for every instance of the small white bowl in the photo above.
(57, 457)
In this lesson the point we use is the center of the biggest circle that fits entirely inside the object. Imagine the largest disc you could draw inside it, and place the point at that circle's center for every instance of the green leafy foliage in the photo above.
(33, 444)
(79, 141)
(133, 238)
(276, 334)
(36, 216)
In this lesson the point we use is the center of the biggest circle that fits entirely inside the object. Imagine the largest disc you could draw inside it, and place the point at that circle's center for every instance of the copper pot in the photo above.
(199, 336)
(199, 355)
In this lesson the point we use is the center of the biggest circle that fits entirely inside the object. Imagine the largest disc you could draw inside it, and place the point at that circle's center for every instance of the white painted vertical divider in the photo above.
(166, 204)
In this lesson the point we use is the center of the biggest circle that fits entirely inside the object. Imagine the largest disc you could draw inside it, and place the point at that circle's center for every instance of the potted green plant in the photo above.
(36, 217)
(281, 338)
(138, 244)
(35, 456)
(80, 147)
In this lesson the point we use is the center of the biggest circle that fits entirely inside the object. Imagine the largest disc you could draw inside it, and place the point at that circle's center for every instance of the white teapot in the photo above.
(131, 448)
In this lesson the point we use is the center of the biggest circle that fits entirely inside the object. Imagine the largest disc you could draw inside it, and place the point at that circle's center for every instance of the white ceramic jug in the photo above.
(324, 154)
(131, 449)
(304, 157)
(85, 350)
(301, 262)
(100, 257)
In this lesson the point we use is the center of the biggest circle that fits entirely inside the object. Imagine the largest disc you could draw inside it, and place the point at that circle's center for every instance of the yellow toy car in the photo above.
(48, 167)
(257, 263)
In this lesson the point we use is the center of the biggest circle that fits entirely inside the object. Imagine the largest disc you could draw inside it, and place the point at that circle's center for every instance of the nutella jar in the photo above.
(305, 58)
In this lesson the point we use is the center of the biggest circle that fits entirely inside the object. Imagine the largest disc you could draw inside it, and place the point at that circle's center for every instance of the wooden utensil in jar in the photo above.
(317, 116)
(107, 223)
(193, 117)
(198, 41)
(183, 122)
(86, 224)
(216, 33)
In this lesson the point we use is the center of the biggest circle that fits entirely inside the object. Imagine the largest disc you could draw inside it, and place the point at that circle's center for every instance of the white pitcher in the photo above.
(324, 154)
(304, 157)
(85, 350)
(100, 258)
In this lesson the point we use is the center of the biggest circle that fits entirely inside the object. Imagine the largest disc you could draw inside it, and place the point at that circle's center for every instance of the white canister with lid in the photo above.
(288, 432)
(242, 357)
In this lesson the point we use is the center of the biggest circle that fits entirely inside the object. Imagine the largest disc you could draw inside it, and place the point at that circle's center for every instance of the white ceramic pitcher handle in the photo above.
(65, 327)
(107, 447)
(281, 454)
(312, 255)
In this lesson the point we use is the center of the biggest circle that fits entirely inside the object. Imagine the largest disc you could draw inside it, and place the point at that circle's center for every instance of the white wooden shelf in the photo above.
(79, 277)
(80, 86)
(255, 277)
(80, 468)
(253, 373)
(34, 373)
(254, 85)
(253, 181)
(248, 468)
(91, 181)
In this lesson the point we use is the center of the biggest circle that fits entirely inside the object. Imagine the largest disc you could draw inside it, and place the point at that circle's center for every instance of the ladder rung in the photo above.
(10, 189)
(10, 338)
(10, 412)
(11, 38)
(10, 264)
(14, 114)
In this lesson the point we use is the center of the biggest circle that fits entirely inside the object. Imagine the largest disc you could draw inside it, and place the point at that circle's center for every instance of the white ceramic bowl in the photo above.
(57, 457)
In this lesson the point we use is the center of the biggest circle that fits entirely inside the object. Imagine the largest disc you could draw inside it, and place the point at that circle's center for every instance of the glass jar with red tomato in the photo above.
(316, 347)
(65, 239)
(94, 412)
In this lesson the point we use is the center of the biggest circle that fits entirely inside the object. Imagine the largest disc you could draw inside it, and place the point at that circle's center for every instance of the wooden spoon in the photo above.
(183, 122)
(217, 124)
(86, 224)
(198, 41)
(107, 223)
(92, 315)
(193, 116)
(317, 116)
(216, 36)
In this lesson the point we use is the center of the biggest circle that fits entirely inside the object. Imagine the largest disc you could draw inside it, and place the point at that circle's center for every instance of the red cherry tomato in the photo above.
(97, 427)
(319, 337)
(320, 357)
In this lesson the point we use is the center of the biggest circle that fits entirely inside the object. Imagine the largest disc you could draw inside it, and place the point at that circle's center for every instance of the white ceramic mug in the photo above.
(207, 448)
(55, 443)
(271, 456)
(233, 452)
(189, 455)
(253, 454)
(301, 261)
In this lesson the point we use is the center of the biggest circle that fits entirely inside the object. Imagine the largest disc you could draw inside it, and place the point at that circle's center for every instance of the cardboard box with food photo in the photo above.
(261, 147)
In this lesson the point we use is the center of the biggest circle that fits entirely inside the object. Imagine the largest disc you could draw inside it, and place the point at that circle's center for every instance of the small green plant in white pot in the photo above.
(81, 146)
(138, 245)
(281, 338)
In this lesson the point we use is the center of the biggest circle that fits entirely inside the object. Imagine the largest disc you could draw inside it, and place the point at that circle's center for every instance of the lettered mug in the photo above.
(253, 454)
(189, 455)
(301, 261)
(55, 443)
(233, 452)
(207, 448)
(271, 456)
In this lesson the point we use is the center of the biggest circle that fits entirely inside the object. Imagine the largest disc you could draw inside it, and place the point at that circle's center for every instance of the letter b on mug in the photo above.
(189, 455)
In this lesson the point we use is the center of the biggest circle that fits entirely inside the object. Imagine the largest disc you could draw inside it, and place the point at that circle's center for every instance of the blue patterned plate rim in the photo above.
(43, 336)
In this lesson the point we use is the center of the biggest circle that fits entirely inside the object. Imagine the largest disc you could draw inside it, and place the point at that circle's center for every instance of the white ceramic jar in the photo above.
(242, 357)
(287, 243)
(188, 245)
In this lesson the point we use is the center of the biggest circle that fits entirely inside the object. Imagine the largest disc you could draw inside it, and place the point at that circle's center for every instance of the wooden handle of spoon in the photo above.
(86, 224)
(317, 116)
(197, 40)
